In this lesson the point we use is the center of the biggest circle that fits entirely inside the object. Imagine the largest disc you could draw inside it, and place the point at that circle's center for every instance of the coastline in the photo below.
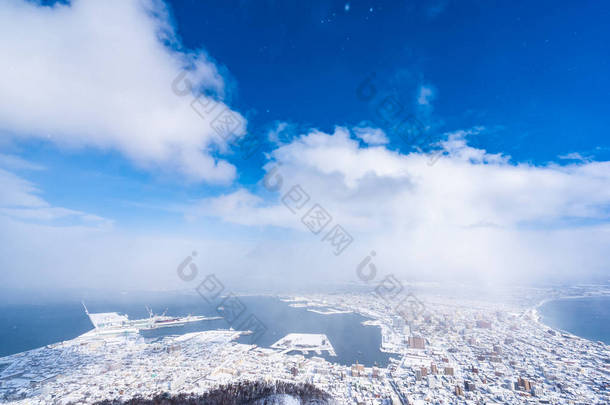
(538, 318)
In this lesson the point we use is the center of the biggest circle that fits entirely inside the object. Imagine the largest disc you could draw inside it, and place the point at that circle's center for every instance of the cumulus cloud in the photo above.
(473, 214)
(103, 74)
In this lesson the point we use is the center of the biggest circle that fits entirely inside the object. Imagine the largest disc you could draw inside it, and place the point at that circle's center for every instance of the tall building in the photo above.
(417, 342)
(357, 370)
(524, 384)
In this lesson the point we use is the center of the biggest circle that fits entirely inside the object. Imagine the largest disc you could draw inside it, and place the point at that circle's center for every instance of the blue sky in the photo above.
(91, 124)
(536, 69)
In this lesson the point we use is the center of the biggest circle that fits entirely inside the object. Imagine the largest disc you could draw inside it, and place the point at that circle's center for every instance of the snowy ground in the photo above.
(305, 343)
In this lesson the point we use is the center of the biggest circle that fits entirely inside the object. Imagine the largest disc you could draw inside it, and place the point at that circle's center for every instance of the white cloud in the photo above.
(574, 156)
(99, 74)
(371, 136)
(17, 163)
(457, 147)
(472, 214)
(337, 155)
(17, 191)
(241, 207)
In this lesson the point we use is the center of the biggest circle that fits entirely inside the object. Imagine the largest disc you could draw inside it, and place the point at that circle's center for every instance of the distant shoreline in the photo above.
(539, 318)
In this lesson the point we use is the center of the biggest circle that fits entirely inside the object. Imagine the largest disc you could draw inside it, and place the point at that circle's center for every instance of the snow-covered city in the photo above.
(454, 351)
